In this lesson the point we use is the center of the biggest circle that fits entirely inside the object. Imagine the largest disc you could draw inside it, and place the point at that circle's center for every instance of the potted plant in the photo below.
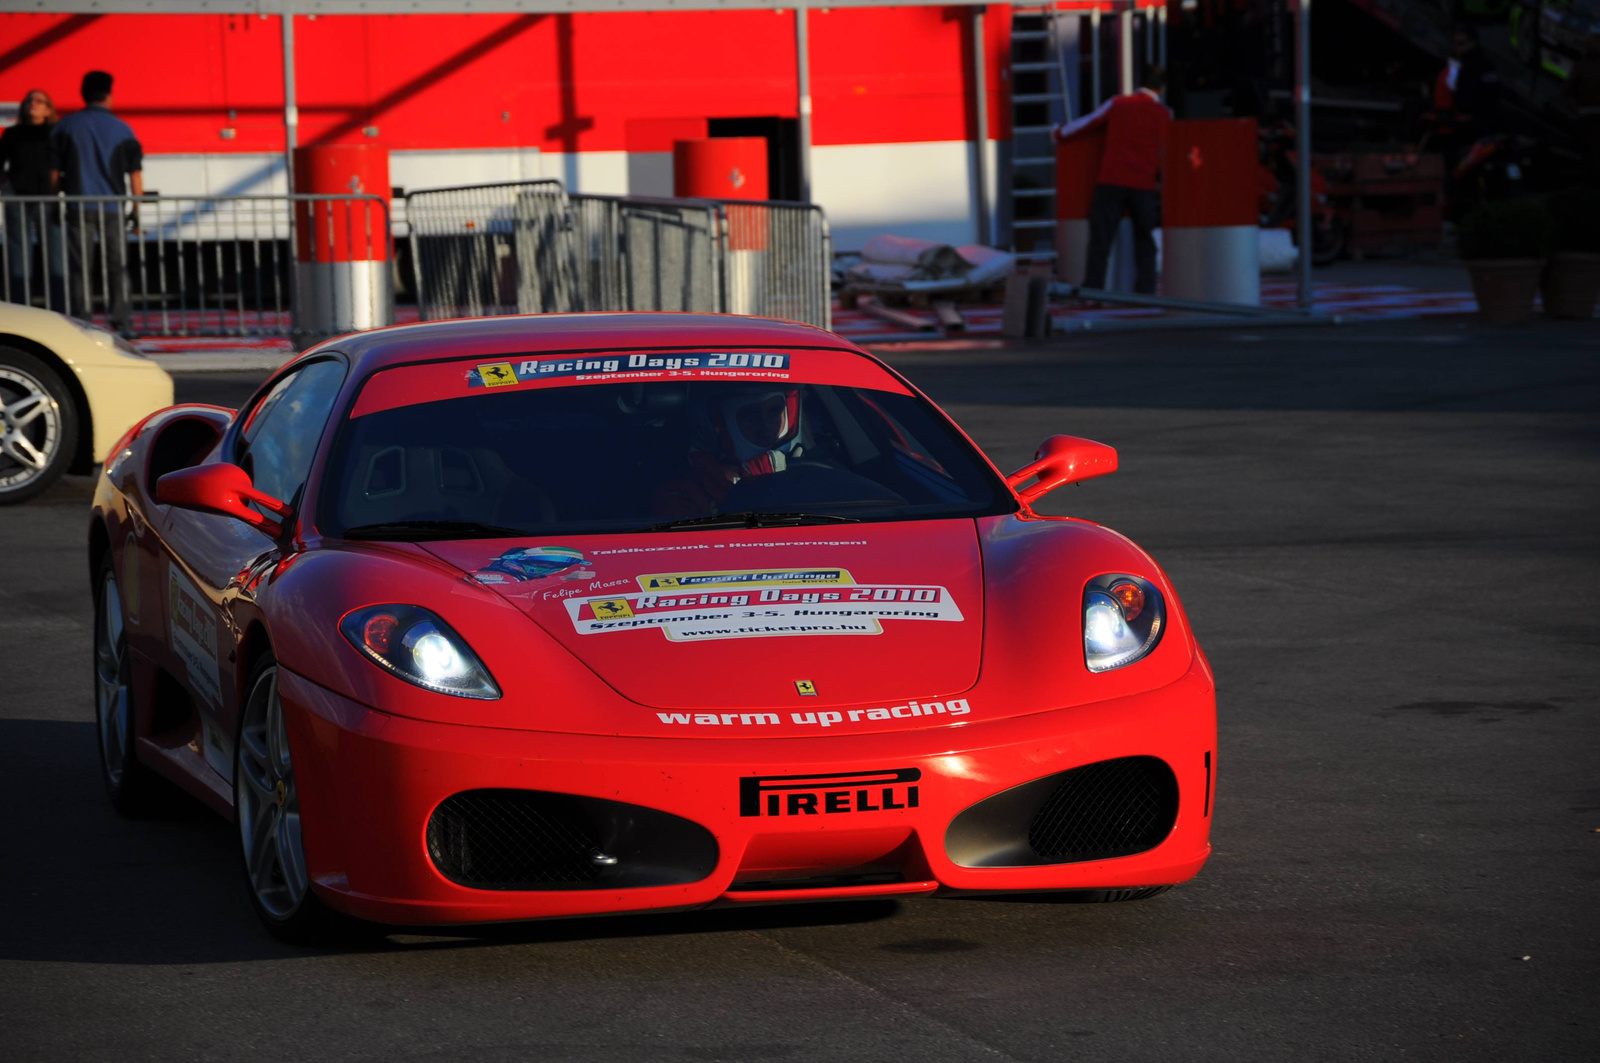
(1571, 281)
(1503, 245)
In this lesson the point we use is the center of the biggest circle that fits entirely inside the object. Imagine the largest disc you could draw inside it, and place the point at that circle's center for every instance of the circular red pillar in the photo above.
(342, 245)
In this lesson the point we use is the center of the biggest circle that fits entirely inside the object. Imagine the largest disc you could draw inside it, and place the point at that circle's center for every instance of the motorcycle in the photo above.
(1276, 184)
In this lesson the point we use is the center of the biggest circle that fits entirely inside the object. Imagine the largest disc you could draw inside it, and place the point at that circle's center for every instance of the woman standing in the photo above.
(25, 171)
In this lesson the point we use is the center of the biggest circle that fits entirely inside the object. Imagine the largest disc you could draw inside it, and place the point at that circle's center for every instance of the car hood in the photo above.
(888, 616)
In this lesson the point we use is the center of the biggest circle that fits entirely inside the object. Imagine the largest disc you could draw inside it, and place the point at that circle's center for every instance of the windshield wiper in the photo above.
(412, 530)
(751, 519)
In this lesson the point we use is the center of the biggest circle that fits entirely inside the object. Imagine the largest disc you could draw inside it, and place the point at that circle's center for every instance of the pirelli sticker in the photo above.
(764, 603)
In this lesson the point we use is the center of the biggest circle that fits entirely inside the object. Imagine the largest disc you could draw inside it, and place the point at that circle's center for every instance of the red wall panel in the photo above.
(556, 82)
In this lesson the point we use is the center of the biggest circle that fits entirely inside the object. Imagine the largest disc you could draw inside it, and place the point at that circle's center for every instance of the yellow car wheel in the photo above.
(38, 426)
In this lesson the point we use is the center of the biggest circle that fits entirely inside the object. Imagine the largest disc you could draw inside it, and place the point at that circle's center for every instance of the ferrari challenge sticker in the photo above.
(194, 634)
(736, 365)
(684, 581)
(748, 607)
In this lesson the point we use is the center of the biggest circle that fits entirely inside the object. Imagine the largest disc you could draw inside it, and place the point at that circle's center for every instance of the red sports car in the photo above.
(545, 616)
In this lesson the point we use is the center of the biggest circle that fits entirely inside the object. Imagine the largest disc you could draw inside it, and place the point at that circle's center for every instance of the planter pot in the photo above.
(1571, 284)
(1505, 288)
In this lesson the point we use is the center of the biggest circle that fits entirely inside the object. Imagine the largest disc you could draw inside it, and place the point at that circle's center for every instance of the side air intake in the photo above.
(1095, 812)
(533, 840)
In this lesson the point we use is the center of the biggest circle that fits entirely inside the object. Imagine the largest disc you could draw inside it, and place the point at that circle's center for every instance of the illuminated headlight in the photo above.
(420, 648)
(1122, 621)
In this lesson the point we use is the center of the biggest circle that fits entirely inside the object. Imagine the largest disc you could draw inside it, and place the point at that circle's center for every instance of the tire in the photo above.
(1136, 893)
(38, 426)
(1326, 251)
(134, 789)
(267, 817)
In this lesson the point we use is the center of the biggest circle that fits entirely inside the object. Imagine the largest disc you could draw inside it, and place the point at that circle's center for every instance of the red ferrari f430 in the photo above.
(526, 617)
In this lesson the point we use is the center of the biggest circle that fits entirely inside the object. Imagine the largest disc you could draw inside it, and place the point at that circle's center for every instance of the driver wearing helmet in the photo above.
(739, 434)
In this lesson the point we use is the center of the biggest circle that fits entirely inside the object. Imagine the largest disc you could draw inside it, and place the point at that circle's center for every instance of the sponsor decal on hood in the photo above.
(703, 606)
(534, 562)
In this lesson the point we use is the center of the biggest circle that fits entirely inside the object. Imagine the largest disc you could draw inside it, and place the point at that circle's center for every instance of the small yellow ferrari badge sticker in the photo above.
(497, 375)
(806, 687)
(613, 609)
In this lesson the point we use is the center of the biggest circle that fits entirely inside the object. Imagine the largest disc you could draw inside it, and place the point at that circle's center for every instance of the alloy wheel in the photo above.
(268, 805)
(113, 679)
(30, 428)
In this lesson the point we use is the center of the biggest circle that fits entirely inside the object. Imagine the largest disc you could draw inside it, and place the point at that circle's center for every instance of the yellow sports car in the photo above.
(68, 390)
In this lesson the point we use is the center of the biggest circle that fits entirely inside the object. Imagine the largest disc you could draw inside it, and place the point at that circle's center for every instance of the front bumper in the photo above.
(368, 783)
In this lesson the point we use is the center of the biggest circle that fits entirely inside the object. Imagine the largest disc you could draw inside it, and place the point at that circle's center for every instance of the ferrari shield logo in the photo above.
(497, 375)
(806, 688)
(613, 609)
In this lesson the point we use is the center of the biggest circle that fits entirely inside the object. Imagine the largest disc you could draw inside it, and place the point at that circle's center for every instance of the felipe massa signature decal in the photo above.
(953, 707)
(630, 367)
(759, 603)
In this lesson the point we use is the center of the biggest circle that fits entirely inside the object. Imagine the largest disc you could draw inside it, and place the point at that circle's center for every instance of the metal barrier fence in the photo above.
(529, 247)
(505, 248)
(651, 254)
(313, 265)
(778, 261)
(202, 265)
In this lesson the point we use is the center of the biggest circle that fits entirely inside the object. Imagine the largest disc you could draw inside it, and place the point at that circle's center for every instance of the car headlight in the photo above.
(417, 646)
(1122, 621)
(107, 338)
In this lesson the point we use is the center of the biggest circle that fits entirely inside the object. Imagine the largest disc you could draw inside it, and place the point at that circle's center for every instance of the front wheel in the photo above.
(266, 804)
(38, 426)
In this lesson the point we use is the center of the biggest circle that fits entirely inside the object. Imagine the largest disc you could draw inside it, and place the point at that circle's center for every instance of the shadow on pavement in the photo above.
(82, 884)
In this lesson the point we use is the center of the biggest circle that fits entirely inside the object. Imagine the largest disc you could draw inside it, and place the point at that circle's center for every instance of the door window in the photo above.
(281, 436)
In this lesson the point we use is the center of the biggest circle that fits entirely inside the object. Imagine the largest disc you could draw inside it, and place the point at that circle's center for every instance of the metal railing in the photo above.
(651, 254)
(504, 248)
(779, 261)
(528, 247)
(308, 265)
(201, 265)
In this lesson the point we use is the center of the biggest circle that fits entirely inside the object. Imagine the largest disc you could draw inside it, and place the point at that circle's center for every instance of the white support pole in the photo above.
(1094, 57)
(1125, 49)
(980, 103)
(1161, 14)
(1302, 148)
(291, 113)
(802, 57)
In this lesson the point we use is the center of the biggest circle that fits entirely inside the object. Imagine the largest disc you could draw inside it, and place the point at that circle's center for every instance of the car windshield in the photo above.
(660, 455)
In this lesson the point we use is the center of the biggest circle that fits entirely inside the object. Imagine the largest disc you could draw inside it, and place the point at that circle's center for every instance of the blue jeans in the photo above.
(30, 226)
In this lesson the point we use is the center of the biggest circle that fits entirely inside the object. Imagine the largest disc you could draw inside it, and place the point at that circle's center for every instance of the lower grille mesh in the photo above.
(538, 840)
(1112, 808)
(512, 839)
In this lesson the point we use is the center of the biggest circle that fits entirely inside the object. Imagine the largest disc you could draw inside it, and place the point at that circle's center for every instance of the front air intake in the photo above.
(534, 840)
(1098, 811)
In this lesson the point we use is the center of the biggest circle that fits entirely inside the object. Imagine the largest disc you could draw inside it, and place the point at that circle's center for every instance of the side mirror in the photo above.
(222, 488)
(1062, 460)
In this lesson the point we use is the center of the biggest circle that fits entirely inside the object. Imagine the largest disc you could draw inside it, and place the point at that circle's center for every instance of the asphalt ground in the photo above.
(1386, 536)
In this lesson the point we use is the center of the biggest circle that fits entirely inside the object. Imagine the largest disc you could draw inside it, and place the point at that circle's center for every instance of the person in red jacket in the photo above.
(1136, 135)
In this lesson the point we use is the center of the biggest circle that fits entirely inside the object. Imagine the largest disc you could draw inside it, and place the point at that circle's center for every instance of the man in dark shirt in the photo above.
(94, 153)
